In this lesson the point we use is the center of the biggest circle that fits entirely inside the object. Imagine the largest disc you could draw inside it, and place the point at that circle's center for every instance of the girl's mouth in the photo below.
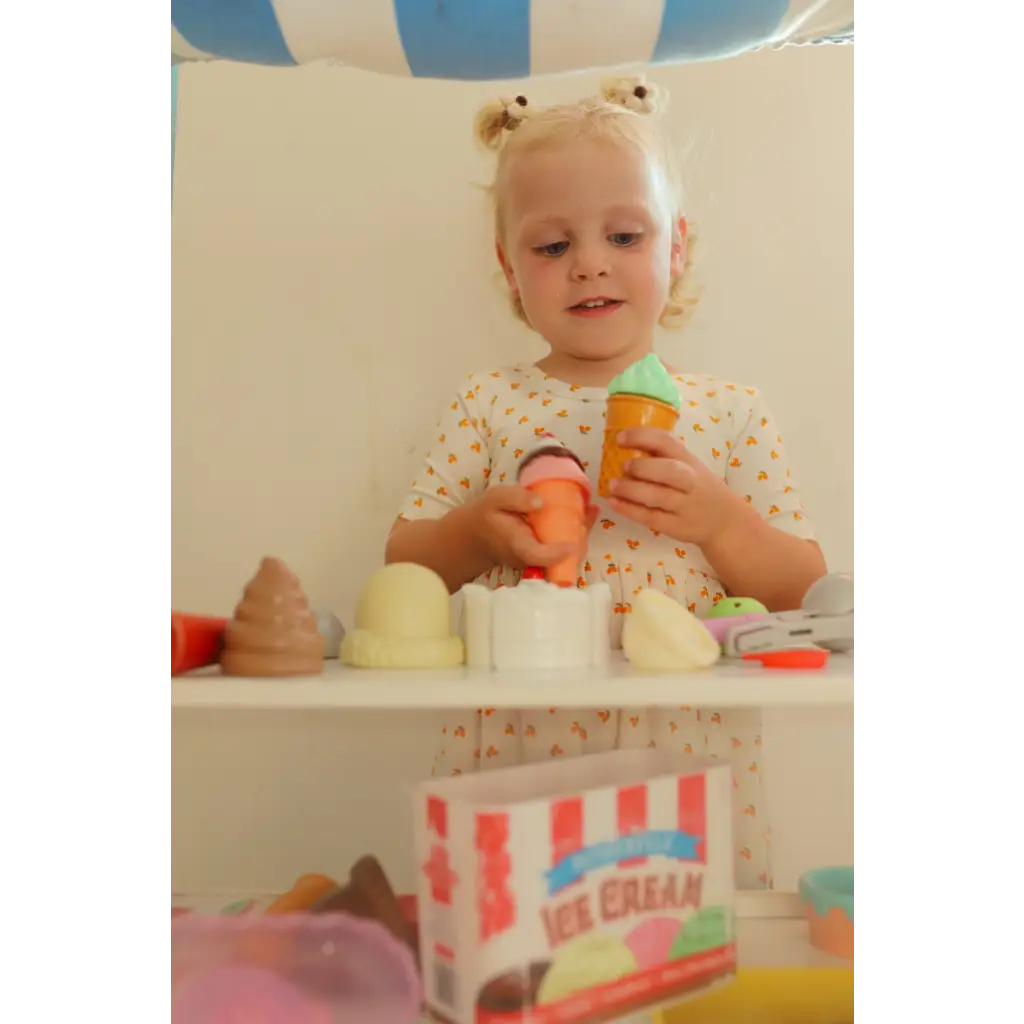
(595, 307)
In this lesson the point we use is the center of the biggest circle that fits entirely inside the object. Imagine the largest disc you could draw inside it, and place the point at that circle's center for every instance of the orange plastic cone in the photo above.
(196, 641)
(562, 520)
(624, 412)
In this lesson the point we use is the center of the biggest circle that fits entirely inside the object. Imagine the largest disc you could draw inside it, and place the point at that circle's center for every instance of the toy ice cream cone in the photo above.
(196, 641)
(556, 476)
(624, 412)
(273, 632)
(561, 521)
(302, 895)
(643, 395)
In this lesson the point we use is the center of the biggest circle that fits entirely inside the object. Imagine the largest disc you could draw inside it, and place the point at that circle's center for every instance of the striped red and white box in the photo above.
(582, 890)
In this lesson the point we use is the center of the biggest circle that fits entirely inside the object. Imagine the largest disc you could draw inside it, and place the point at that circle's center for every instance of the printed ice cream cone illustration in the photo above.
(556, 476)
(643, 395)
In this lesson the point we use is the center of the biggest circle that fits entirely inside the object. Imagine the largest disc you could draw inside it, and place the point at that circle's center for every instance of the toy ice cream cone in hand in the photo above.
(643, 395)
(556, 476)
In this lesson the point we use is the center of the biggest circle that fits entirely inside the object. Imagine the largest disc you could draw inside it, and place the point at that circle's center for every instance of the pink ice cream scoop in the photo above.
(322, 968)
(555, 467)
(244, 993)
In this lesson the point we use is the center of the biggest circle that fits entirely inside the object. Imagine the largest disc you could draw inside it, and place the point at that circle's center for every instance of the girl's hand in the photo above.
(497, 520)
(673, 492)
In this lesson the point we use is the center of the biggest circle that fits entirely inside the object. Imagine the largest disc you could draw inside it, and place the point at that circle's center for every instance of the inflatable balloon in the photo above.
(496, 39)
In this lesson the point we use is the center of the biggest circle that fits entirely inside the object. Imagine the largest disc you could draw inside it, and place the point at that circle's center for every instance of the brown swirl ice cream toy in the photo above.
(273, 631)
(368, 894)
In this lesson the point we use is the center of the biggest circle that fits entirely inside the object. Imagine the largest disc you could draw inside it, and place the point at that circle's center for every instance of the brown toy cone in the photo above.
(562, 520)
(624, 412)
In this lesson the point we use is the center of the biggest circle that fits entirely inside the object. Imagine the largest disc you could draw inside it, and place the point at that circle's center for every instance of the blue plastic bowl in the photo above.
(826, 888)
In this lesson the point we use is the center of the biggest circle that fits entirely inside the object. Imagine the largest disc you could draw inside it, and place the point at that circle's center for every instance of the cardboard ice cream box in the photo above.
(579, 890)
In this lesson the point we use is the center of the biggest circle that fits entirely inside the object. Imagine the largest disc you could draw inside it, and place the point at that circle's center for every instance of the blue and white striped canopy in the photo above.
(496, 39)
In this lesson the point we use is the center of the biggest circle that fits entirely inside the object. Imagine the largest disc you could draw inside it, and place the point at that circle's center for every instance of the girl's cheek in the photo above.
(541, 271)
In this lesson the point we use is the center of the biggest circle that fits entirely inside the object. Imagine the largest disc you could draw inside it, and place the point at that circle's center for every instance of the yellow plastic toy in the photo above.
(816, 995)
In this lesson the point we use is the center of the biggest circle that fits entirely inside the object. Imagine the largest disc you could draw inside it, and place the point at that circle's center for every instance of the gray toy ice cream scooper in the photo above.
(329, 626)
(825, 619)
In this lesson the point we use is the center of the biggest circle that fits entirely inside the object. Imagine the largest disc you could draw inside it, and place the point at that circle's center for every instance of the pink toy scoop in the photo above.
(310, 969)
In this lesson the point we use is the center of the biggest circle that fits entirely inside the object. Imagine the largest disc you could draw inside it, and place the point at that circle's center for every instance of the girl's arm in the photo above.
(754, 559)
(432, 528)
(767, 550)
(447, 545)
(470, 539)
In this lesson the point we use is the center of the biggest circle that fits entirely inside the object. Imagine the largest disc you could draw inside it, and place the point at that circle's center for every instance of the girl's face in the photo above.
(590, 247)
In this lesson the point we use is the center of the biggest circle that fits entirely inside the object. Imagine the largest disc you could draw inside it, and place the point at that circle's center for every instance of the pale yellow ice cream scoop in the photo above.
(584, 963)
(403, 620)
(662, 636)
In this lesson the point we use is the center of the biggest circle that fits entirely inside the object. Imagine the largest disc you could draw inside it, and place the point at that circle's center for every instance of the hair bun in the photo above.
(634, 93)
(504, 115)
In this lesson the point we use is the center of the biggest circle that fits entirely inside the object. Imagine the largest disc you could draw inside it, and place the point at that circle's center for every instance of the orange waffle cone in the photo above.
(625, 411)
(302, 895)
(562, 520)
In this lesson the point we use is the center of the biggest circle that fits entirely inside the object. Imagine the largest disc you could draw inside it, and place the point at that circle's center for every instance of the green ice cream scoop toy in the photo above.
(646, 378)
(643, 395)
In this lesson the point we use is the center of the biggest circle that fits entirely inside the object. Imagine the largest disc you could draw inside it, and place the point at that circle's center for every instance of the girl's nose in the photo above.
(589, 264)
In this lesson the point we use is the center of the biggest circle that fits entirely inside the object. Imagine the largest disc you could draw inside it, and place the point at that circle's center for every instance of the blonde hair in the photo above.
(624, 112)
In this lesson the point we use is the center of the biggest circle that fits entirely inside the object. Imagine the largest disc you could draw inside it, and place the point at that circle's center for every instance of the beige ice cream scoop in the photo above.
(662, 636)
(403, 620)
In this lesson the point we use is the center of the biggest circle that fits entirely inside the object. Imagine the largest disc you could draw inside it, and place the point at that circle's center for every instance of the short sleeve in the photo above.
(457, 463)
(759, 469)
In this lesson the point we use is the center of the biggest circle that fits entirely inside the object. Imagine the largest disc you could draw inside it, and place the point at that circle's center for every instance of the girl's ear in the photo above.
(680, 244)
(506, 268)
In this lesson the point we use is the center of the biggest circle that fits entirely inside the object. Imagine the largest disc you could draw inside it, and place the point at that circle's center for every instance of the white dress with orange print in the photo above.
(490, 423)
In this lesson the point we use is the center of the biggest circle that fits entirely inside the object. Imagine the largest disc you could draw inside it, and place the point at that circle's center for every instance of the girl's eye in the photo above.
(553, 249)
(624, 238)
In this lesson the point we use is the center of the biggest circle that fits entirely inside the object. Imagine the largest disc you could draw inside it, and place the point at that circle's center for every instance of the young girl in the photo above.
(594, 247)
